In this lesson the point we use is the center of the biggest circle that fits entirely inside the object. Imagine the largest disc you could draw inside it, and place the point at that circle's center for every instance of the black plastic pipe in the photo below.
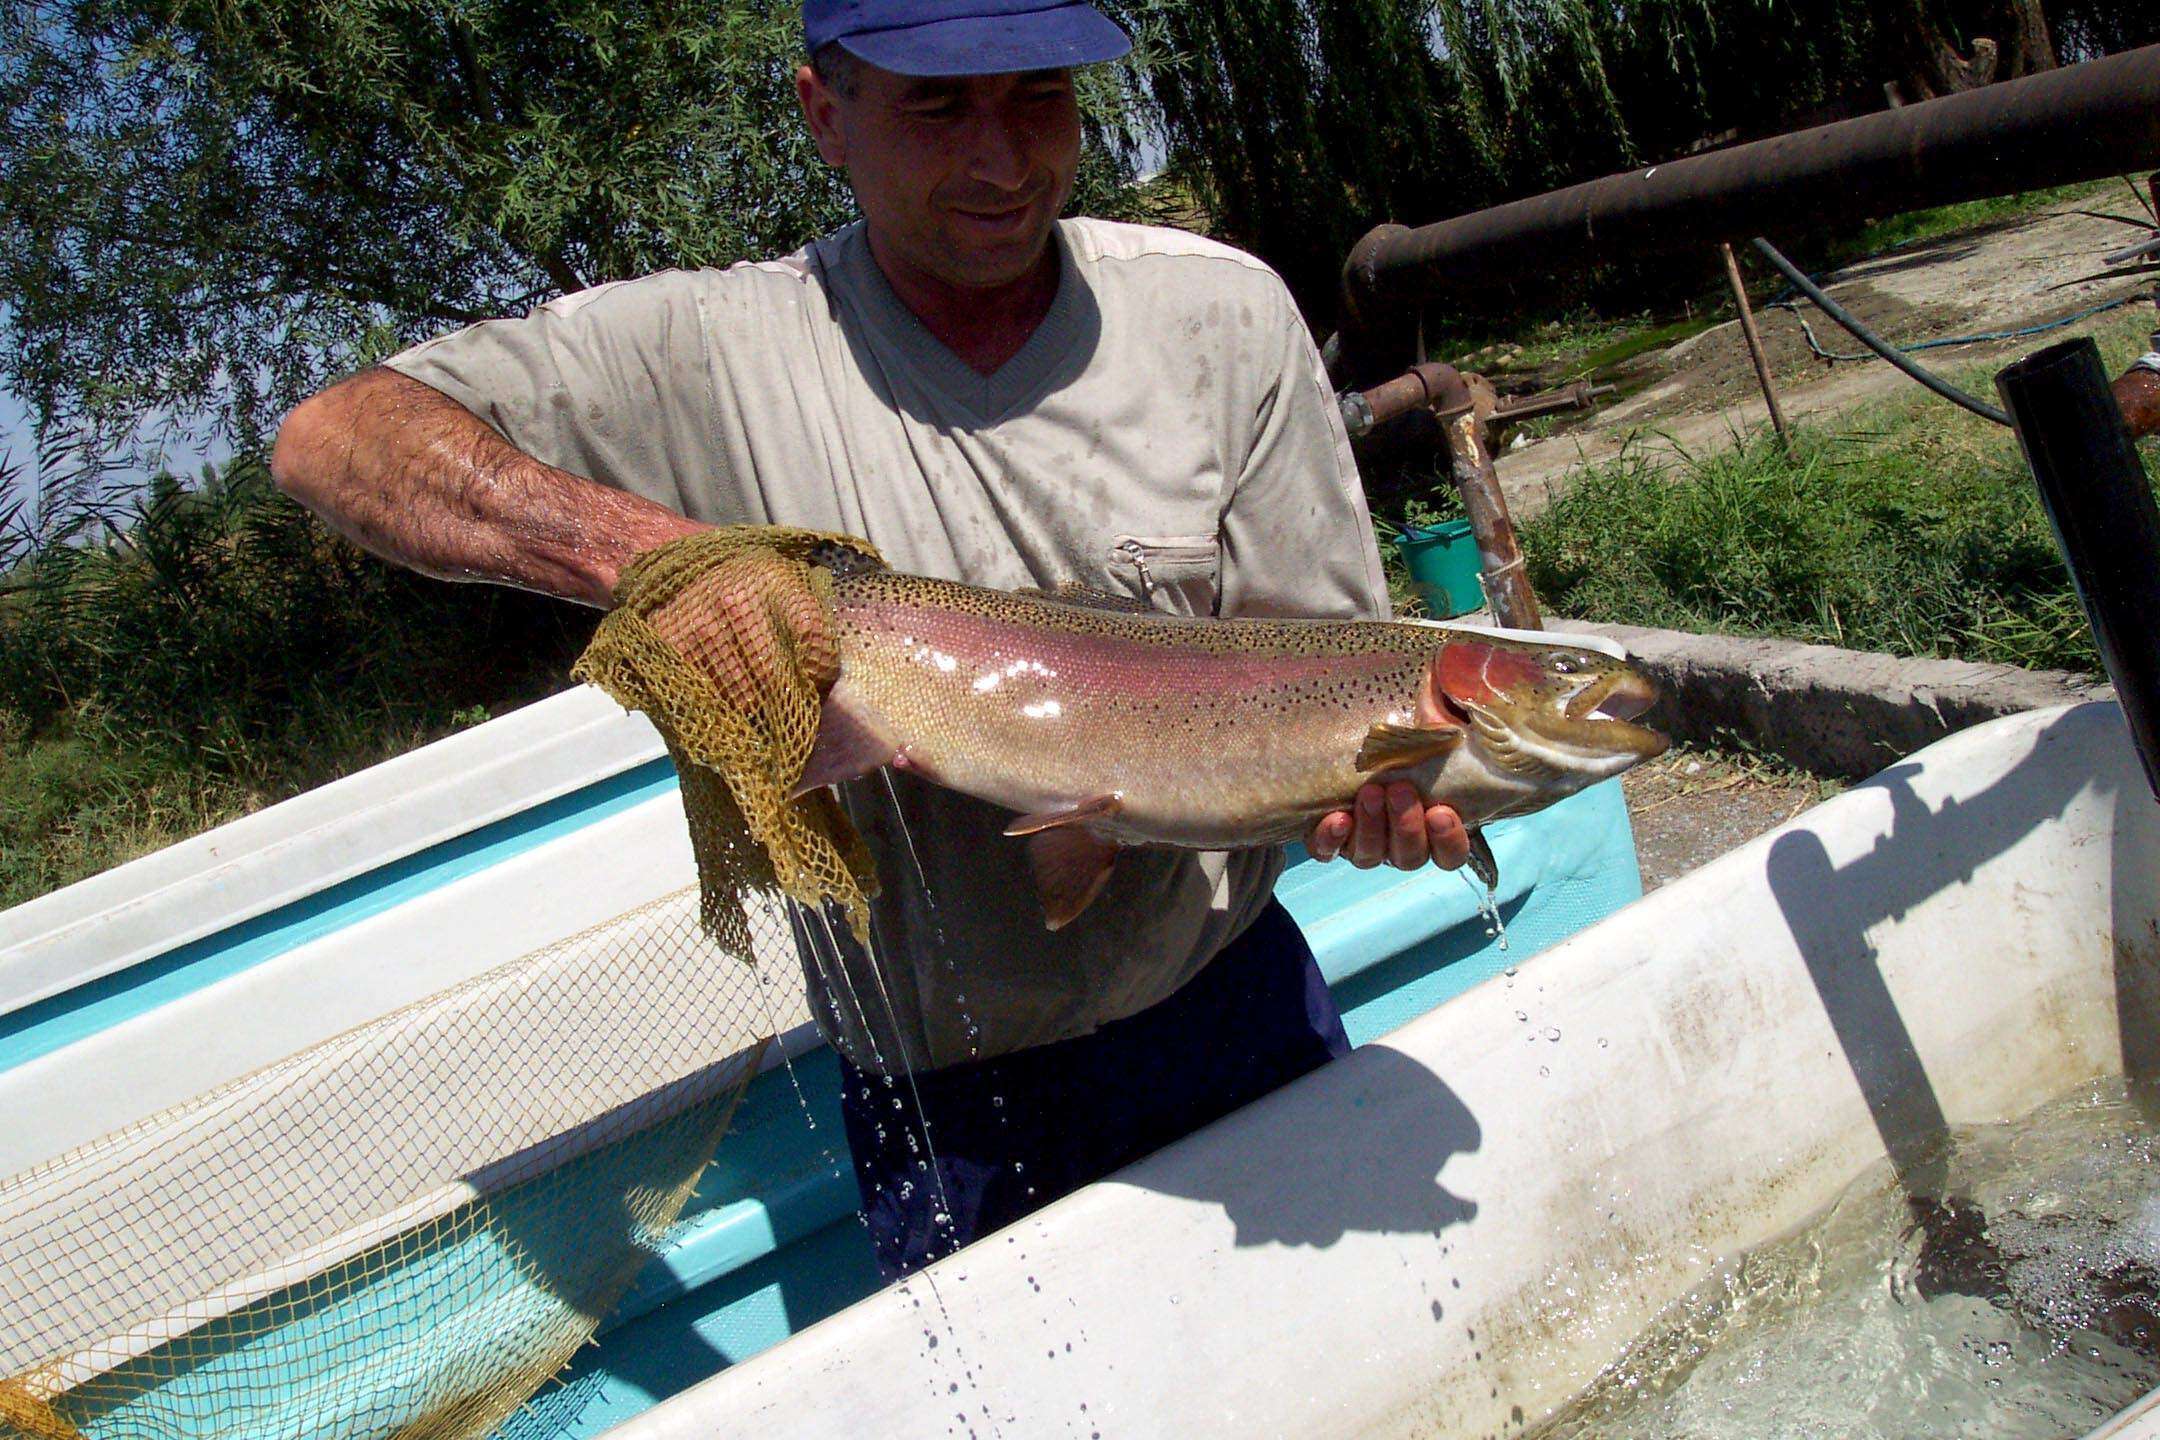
(1798, 279)
(2101, 505)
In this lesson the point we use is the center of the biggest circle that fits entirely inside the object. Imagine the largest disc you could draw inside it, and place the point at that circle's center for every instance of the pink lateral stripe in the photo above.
(1112, 662)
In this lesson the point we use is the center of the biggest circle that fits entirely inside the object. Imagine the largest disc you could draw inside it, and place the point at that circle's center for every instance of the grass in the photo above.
(221, 652)
(1909, 528)
(1918, 226)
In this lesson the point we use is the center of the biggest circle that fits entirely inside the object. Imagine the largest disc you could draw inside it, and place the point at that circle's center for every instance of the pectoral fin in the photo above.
(1482, 864)
(1095, 807)
(1395, 747)
(1071, 866)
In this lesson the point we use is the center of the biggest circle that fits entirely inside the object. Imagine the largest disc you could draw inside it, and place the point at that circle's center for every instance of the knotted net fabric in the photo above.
(405, 1229)
(723, 639)
(401, 1231)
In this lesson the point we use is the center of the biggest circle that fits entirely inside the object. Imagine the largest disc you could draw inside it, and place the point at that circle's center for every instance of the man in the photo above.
(989, 394)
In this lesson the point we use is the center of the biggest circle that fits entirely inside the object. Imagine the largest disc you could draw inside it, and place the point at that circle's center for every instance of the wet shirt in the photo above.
(1166, 433)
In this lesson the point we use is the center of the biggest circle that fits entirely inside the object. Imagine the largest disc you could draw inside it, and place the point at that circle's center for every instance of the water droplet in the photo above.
(1511, 971)
(997, 1102)
(1523, 1015)
(1603, 1042)
(1552, 1032)
(1544, 1069)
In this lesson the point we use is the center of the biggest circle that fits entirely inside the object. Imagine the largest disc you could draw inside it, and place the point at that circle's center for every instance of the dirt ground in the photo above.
(1690, 806)
(1995, 278)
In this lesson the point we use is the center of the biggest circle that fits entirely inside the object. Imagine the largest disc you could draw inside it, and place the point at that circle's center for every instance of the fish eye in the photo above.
(1566, 664)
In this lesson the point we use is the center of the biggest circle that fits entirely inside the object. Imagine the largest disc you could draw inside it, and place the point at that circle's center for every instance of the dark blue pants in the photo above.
(1013, 1133)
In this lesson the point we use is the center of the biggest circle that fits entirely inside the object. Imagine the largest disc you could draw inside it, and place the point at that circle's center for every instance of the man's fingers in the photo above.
(1368, 835)
(1391, 824)
(1447, 837)
(747, 626)
(1406, 843)
(1326, 840)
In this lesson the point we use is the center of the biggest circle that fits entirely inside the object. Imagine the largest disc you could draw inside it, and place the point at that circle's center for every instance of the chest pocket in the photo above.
(1175, 573)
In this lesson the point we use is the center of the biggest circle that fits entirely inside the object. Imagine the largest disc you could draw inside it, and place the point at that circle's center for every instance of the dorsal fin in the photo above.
(842, 560)
(1079, 592)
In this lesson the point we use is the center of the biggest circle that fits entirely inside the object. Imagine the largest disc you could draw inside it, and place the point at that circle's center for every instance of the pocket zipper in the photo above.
(1137, 549)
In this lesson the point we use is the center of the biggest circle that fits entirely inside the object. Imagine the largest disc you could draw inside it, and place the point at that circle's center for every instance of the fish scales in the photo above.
(1105, 702)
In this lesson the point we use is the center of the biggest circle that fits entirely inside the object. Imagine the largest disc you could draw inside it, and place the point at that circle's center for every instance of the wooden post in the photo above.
(1754, 341)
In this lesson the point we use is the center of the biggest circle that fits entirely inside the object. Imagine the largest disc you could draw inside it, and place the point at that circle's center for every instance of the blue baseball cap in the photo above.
(964, 37)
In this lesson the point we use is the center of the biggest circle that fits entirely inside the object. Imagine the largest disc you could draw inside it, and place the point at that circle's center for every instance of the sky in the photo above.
(18, 448)
(14, 444)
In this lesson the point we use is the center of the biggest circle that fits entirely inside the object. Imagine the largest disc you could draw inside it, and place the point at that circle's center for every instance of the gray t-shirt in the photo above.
(1166, 433)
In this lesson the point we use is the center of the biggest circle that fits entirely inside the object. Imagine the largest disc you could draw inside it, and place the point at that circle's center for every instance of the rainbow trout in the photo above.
(1104, 723)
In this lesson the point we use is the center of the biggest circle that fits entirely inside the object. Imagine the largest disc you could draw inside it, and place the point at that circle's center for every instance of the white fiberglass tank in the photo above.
(1454, 1230)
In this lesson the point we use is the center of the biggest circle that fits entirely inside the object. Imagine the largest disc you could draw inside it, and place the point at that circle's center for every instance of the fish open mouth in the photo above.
(1615, 697)
(1600, 718)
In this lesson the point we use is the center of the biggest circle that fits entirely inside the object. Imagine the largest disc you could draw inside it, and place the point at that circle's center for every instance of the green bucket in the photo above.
(1444, 564)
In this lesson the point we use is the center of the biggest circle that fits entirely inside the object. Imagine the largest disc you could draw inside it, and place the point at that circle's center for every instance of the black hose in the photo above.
(1798, 279)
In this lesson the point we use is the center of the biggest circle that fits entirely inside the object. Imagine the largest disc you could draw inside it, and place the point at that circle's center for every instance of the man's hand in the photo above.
(1389, 822)
(748, 624)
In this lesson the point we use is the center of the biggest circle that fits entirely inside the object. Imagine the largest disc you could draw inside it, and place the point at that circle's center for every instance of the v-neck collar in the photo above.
(987, 398)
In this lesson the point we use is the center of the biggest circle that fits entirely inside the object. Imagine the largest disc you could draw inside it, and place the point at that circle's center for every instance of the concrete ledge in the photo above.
(1842, 713)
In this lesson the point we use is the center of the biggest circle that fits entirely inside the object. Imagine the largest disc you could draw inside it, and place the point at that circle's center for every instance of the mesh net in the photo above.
(406, 1229)
(402, 1231)
(723, 640)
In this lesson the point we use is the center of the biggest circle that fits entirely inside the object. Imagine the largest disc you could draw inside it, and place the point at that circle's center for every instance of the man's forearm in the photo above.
(406, 472)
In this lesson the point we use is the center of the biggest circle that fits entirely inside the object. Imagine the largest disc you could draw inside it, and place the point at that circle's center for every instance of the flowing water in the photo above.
(2024, 1301)
(1488, 903)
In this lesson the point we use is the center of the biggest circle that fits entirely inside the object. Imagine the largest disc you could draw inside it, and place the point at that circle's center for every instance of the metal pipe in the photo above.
(2101, 506)
(1507, 583)
(1798, 279)
(1754, 341)
(1578, 396)
(1415, 389)
(2078, 122)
